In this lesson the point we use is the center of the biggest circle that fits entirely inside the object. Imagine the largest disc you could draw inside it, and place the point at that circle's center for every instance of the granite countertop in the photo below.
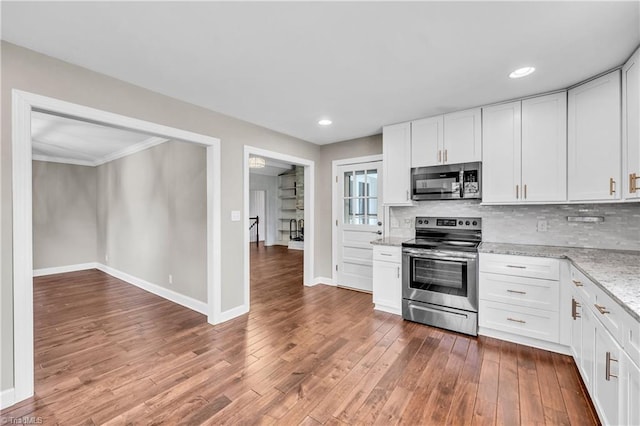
(390, 241)
(617, 272)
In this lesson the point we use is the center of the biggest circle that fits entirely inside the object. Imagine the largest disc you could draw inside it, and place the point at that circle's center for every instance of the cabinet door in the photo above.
(606, 378)
(576, 330)
(501, 153)
(462, 137)
(544, 148)
(588, 348)
(387, 290)
(396, 164)
(594, 139)
(631, 126)
(630, 389)
(426, 141)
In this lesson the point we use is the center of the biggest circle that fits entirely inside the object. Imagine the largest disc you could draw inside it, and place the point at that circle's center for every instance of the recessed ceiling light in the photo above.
(522, 72)
(325, 122)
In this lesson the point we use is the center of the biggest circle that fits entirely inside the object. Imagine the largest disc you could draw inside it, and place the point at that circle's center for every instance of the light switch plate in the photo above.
(235, 215)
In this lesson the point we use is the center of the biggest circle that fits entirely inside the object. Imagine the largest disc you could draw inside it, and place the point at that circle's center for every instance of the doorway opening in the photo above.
(288, 185)
(24, 105)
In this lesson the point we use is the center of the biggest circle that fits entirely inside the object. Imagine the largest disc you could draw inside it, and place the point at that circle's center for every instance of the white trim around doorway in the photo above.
(23, 103)
(309, 197)
(335, 206)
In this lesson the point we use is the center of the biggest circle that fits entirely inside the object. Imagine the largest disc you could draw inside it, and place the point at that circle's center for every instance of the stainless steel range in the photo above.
(440, 273)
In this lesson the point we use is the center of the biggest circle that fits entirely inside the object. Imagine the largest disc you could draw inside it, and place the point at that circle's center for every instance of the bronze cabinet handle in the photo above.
(517, 192)
(602, 309)
(633, 187)
(525, 191)
(516, 320)
(612, 186)
(577, 283)
(516, 291)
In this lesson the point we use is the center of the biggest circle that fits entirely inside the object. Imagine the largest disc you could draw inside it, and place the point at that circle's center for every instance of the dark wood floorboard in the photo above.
(110, 353)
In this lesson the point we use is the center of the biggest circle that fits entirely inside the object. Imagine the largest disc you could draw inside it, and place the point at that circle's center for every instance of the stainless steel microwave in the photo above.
(449, 182)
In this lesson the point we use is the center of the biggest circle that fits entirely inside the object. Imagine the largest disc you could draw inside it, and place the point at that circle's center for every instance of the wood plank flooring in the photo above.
(110, 353)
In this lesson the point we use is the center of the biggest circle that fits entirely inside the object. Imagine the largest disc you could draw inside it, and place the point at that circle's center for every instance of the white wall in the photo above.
(269, 184)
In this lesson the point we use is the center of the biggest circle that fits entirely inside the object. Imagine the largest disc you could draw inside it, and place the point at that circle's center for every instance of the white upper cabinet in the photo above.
(594, 144)
(462, 137)
(524, 150)
(427, 141)
(447, 139)
(396, 164)
(544, 148)
(501, 171)
(631, 127)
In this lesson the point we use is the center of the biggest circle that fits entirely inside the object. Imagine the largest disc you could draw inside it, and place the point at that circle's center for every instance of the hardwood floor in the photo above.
(110, 353)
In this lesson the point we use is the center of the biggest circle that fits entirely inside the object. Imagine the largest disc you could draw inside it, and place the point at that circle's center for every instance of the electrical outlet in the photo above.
(408, 222)
(542, 226)
(170, 279)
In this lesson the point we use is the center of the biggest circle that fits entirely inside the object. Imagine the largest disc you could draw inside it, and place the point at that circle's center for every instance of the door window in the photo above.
(361, 197)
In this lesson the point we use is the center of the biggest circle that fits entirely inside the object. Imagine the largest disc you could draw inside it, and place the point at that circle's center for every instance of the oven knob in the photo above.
(426, 222)
(475, 223)
(460, 223)
(420, 222)
(468, 223)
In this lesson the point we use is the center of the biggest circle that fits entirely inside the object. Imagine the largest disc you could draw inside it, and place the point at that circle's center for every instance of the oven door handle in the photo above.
(445, 257)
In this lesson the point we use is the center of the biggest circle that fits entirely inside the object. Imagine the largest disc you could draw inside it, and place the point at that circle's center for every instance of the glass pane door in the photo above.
(361, 197)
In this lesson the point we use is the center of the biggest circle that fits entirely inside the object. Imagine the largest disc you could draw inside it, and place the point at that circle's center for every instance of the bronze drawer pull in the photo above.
(516, 320)
(602, 309)
(574, 309)
(516, 266)
(577, 283)
(517, 291)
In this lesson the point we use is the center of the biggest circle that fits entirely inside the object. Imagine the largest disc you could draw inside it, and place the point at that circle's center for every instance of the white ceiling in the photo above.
(71, 141)
(285, 65)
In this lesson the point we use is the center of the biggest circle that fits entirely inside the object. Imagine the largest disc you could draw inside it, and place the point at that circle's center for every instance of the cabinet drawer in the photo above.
(535, 323)
(521, 291)
(608, 312)
(582, 286)
(631, 337)
(521, 266)
(387, 253)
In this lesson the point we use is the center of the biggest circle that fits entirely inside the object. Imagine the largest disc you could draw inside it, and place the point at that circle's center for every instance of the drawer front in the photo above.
(581, 285)
(521, 291)
(535, 323)
(631, 337)
(387, 253)
(521, 266)
(608, 312)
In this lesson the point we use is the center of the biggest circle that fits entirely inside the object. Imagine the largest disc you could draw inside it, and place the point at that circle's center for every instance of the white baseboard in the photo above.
(233, 313)
(388, 309)
(524, 340)
(7, 398)
(63, 269)
(321, 280)
(163, 292)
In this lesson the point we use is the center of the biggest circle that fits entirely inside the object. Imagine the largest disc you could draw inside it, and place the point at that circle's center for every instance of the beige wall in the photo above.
(152, 216)
(370, 145)
(32, 72)
(64, 214)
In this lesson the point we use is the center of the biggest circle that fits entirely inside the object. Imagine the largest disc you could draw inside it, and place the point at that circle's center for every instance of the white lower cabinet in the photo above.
(519, 298)
(387, 279)
(630, 397)
(598, 330)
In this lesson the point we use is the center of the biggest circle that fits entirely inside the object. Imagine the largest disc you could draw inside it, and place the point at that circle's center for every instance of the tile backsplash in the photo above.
(519, 224)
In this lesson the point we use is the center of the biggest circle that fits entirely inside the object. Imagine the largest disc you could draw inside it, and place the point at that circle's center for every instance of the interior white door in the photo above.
(359, 222)
(258, 207)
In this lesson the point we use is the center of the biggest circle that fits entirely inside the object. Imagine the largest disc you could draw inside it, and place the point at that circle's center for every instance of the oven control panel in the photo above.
(448, 222)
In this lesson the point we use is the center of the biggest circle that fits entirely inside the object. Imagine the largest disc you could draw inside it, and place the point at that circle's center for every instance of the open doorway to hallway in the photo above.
(287, 183)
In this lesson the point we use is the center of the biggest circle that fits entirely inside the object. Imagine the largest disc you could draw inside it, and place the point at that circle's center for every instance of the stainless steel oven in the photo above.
(440, 273)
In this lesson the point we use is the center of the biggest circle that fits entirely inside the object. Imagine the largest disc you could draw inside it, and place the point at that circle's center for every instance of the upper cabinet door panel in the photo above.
(544, 148)
(463, 136)
(426, 141)
(501, 153)
(594, 144)
(631, 126)
(396, 164)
